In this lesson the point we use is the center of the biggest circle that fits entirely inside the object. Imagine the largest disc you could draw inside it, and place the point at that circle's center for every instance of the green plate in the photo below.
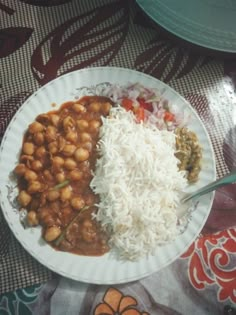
(207, 23)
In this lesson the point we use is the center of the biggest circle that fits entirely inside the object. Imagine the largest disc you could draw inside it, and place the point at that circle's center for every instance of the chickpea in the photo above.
(47, 175)
(69, 149)
(75, 175)
(77, 203)
(20, 169)
(36, 127)
(53, 147)
(24, 198)
(66, 212)
(88, 232)
(40, 152)
(39, 138)
(106, 108)
(82, 124)
(88, 145)
(87, 224)
(65, 193)
(68, 123)
(60, 177)
(52, 233)
(51, 133)
(43, 119)
(34, 187)
(55, 120)
(53, 195)
(94, 107)
(94, 125)
(70, 164)
(32, 218)
(28, 148)
(57, 161)
(36, 165)
(30, 175)
(85, 136)
(72, 136)
(78, 108)
(81, 154)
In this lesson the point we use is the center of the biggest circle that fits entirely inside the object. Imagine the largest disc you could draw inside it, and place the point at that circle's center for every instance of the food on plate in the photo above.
(147, 105)
(189, 153)
(54, 172)
(139, 184)
(107, 172)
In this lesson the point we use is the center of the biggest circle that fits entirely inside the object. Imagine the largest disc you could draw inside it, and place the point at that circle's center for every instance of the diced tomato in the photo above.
(127, 104)
(140, 115)
(143, 104)
(169, 116)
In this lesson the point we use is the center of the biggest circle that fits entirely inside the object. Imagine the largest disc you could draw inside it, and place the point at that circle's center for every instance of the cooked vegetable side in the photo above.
(189, 152)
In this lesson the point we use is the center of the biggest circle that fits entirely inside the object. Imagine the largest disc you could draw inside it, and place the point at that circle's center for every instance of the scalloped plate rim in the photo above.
(87, 277)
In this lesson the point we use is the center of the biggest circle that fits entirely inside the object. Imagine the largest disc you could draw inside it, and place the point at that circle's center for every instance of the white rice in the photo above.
(139, 184)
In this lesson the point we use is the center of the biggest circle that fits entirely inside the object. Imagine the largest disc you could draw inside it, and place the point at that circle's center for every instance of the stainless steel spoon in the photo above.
(225, 180)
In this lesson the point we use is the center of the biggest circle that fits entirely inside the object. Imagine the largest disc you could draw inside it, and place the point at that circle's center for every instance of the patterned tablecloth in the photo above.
(43, 39)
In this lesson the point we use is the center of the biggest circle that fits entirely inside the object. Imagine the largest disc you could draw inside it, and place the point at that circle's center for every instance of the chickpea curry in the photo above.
(56, 163)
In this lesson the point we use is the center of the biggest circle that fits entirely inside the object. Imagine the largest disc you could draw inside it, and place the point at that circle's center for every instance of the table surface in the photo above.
(43, 39)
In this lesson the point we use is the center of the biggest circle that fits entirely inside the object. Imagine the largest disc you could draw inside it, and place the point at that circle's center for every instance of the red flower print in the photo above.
(115, 303)
(212, 262)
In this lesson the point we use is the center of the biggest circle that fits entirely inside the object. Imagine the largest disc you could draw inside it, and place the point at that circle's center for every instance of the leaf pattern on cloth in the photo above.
(13, 38)
(200, 103)
(211, 262)
(9, 107)
(6, 9)
(93, 38)
(45, 3)
(165, 61)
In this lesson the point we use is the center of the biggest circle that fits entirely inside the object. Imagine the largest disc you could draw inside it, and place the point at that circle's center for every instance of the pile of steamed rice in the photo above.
(139, 184)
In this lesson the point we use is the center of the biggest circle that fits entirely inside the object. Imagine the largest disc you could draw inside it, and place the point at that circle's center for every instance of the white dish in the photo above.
(105, 269)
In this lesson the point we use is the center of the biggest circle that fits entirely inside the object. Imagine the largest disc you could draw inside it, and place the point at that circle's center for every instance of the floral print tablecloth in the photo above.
(43, 39)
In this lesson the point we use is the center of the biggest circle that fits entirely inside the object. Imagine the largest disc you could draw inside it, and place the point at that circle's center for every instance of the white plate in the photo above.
(105, 269)
(208, 23)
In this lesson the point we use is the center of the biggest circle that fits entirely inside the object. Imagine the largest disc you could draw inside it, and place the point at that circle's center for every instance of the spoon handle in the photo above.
(225, 180)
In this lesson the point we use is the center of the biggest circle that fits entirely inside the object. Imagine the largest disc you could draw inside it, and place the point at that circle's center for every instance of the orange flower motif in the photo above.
(115, 303)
